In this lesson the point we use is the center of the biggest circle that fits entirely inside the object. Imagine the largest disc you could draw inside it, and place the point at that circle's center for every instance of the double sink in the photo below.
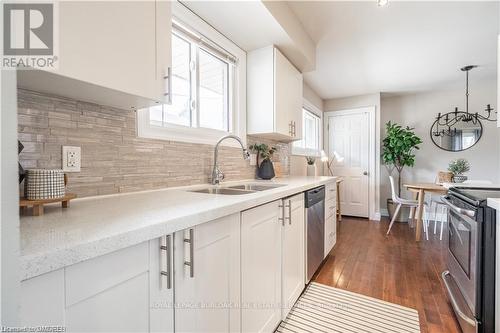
(239, 189)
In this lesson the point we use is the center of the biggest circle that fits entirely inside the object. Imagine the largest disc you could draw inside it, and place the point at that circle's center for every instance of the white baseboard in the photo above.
(375, 217)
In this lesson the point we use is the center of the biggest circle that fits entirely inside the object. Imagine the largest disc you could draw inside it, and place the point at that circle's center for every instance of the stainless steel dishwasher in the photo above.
(315, 229)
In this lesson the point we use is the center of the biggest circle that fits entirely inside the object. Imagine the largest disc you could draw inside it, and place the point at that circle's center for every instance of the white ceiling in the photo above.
(403, 47)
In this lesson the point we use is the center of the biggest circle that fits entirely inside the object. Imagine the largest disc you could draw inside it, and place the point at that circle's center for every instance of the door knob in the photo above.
(365, 173)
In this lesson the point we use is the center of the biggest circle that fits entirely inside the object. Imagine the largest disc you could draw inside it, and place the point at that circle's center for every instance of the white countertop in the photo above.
(483, 185)
(494, 203)
(94, 226)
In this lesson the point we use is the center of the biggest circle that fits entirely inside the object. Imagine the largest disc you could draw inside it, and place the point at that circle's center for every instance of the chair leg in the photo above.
(426, 222)
(394, 218)
(435, 216)
(443, 219)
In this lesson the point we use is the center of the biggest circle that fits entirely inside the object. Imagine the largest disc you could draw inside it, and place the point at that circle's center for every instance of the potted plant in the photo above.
(458, 167)
(398, 149)
(265, 169)
(311, 167)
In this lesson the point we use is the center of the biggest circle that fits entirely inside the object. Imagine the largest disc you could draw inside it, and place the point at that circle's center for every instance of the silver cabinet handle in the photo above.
(190, 263)
(290, 212)
(293, 127)
(282, 219)
(466, 212)
(168, 78)
(454, 303)
(167, 248)
(290, 128)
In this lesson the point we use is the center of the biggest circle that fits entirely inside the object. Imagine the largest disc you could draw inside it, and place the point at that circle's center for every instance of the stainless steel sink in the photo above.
(255, 187)
(224, 190)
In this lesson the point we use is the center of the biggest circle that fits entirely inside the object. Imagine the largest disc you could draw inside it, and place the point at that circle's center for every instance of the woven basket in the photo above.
(44, 184)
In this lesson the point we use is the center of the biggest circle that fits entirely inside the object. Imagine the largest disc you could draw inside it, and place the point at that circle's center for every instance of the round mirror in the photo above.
(457, 135)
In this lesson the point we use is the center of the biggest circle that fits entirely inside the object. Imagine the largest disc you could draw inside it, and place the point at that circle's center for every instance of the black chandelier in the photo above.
(445, 123)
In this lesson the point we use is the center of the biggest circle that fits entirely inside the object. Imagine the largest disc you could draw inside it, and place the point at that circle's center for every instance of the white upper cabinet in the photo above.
(114, 53)
(274, 95)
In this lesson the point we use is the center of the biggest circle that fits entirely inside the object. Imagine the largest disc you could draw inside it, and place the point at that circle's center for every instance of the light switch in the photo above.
(71, 158)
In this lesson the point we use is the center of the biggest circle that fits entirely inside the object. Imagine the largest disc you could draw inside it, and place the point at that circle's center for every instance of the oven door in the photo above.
(462, 252)
(463, 246)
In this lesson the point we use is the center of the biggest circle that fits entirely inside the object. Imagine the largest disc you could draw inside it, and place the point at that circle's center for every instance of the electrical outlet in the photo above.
(71, 159)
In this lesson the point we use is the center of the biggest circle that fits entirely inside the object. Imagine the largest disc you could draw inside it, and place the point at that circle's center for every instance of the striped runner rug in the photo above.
(326, 309)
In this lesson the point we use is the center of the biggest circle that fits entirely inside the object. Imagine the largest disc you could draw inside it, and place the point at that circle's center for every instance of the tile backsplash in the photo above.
(114, 159)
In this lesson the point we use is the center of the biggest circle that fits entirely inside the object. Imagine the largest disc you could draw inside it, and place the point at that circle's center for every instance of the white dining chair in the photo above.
(405, 202)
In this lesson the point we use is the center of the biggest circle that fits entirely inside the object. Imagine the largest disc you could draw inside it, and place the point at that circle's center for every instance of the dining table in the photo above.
(419, 190)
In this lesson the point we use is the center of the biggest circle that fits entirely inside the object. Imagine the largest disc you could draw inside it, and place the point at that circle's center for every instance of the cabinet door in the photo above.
(42, 300)
(161, 284)
(207, 291)
(288, 97)
(114, 44)
(261, 268)
(293, 274)
(109, 293)
(296, 104)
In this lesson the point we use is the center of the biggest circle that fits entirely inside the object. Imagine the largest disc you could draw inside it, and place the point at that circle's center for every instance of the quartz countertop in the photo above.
(95, 226)
(494, 203)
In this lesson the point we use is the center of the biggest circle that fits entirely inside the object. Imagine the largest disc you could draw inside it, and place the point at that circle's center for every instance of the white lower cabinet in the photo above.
(293, 252)
(239, 273)
(261, 268)
(207, 277)
(272, 262)
(116, 292)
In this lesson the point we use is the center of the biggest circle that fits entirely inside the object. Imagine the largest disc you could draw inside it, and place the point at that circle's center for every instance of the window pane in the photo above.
(179, 112)
(310, 133)
(156, 115)
(213, 103)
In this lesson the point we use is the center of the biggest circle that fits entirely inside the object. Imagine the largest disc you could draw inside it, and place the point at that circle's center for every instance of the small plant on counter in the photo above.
(310, 160)
(263, 151)
(265, 170)
(458, 167)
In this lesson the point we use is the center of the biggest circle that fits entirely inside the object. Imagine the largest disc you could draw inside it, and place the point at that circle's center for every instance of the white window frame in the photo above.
(308, 106)
(237, 113)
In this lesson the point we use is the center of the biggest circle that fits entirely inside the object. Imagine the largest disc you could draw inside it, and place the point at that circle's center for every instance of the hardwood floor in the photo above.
(394, 268)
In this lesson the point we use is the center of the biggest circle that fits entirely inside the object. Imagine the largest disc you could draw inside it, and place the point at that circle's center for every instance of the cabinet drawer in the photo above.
(331, 225)
(331, 191)
(330, 208)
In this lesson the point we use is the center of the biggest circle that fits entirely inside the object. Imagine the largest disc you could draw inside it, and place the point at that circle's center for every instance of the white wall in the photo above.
(419, 111)
(9, 198)
(298, 165)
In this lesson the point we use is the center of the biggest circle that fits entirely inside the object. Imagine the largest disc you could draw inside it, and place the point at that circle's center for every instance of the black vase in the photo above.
(266, 170)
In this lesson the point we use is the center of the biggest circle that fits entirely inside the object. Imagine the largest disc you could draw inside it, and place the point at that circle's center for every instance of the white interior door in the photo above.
(349, 142)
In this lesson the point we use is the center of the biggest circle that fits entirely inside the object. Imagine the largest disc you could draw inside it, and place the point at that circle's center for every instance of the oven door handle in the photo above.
(454, 303)
(466, 212)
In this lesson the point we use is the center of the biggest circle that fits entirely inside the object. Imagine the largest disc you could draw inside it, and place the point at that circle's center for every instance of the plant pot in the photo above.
(404, 212)
(266, 170)
(311, 170)
(459, 178)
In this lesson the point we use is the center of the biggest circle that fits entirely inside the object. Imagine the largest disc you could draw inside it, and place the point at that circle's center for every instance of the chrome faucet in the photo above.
(217, 175)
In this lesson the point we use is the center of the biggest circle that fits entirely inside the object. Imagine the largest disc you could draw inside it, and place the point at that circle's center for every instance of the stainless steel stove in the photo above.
(470, 274)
